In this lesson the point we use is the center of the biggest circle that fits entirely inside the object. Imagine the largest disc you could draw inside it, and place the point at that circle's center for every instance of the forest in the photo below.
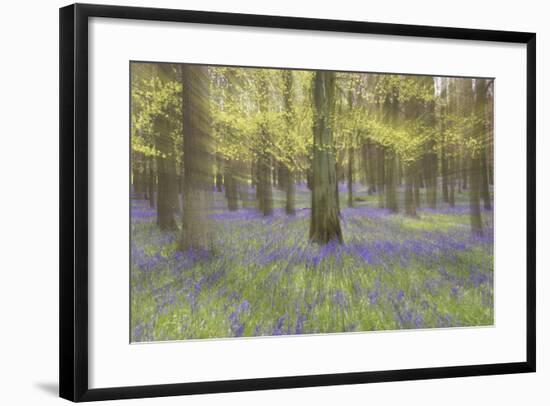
(271, 202)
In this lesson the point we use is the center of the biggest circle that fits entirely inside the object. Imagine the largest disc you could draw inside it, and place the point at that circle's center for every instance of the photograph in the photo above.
(270, 201)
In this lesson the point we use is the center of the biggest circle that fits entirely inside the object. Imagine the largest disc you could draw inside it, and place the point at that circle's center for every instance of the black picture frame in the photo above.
(73, 281)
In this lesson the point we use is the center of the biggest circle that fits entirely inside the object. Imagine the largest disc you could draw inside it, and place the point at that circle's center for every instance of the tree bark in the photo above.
(391, 181)
(265, 192)
(444, 173)
(452, 182)
(166, 176)
(198, 163)
(231, 186)
(410, 205)
(485, 195)
(151, 181)
(350, 177)
(325, 222)
(380, 171)
(475, 183)
(290, 187)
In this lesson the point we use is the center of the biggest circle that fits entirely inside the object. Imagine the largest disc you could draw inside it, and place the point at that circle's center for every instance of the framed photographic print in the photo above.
(257, 202)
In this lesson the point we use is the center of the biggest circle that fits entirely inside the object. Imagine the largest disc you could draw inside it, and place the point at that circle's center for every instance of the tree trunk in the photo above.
(166, 176)
(452, 182)
(231, 186)
(151, 183)
(465, 165)
(485, 195)
(410, 205)
(219, 173)
(417, 185)
(265, 193)
(265, 170)
(475, 183)
(444, 173)
(370, 167)
(476, 156)
(430, 175)
(290, 187)
(325, 222)
(244, 187)
(391, 181)
(198, 163)
(350, 177)
(380, 160)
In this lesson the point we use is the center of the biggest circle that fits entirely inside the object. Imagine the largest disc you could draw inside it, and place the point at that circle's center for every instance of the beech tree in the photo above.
(325, 221)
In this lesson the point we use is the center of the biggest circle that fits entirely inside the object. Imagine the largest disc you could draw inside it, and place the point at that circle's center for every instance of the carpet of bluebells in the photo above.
(264, 278)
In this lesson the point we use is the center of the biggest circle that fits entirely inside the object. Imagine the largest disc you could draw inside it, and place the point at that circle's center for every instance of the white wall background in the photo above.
(29, 203)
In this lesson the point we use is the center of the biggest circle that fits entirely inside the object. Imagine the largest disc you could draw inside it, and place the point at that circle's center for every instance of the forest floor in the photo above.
(265, 278)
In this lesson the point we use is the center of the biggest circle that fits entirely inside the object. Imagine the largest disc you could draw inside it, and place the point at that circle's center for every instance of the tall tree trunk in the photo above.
(430, 175)
(444, 173)
(325, 221)
(452, 182)
(166, 177)
(485, 195)
(244, 188)
(264, 191)
(478, 98)
(219, 173)
(290, 187)
(198, 161)
(231, 186)
(410, 206)
(370, 167)
(219, 181)
(475, 183)
(350, 177)
(417, 185)
(391, 181)
(380, 171)
(465, 166)
(151, 181)
(275, 171)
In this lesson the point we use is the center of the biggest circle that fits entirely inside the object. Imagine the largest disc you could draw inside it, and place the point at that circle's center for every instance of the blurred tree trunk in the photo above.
(380, 171)
(410, 205)
(166, 188)
(443, 112)
(475, 183)
(151, 181)
(231, 186)
(430, 158)
(417, 186)
(219, 173)
(350, 177)
(444, 173)
(477, 100)
(370, 167)
(198, 163)
(391, 107)
(287, 180)
(485, 195)
(244, 187)
(264, 190)
(290, 187)
(464, 171)
(325, 221)
(452, 181)
(391, 181)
